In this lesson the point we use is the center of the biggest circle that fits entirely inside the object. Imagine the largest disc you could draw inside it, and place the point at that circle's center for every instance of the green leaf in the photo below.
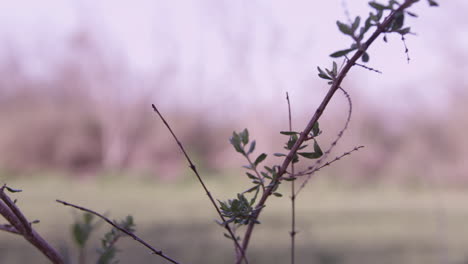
(365, 57)
(270, 170)
(279, 155)
(107, 255)
(404, 31)
(245, 136)
(251, 176)
(235, 141)
(302, 147)
(326, 77)
(247, 167)
(345, 29)
(88, 218)
(260, 158)
(323, 74)
(411, 14)
(355, 24)
(317, 148)
(398, 21)
(13, 190)
(310, 155)
(340, 53)
(292, 140)
(252, 189)
(264, 174)
(295, 159)
(432, 3)
(252, 147)
(315, 129)
(81, 233)
(226, 235)
(277, 194)
(377, 6)
(289, 133)
(335, 69)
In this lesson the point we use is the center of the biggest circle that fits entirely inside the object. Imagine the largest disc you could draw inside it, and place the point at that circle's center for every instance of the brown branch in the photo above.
(194, 169)
(332, 145)
(21, 226)
(318, 113)
(10, 229)
(131, 234)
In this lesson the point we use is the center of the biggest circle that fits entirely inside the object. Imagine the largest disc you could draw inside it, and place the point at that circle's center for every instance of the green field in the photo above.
(337, 224)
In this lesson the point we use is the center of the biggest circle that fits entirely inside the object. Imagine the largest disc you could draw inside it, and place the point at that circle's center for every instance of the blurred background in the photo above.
(77, 80)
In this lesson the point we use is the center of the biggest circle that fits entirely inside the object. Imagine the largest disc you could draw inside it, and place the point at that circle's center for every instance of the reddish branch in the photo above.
(318, 113)
(21, 226)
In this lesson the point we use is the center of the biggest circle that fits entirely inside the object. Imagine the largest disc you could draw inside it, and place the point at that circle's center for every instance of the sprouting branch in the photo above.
(239, 249)
(336, 83)
(131, 234)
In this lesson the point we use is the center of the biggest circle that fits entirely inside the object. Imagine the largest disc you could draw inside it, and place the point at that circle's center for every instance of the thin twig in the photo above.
(333, 144)
(328, 163)
(406, 48)
(194, 169)
(293, 195)
(318, 113)
(21, 226)
(131, 234)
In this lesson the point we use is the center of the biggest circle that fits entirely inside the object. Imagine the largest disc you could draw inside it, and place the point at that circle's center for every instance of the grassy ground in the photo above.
(338, 224)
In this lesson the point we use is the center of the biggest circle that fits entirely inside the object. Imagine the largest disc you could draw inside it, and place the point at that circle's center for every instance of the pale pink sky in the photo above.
(247, 50)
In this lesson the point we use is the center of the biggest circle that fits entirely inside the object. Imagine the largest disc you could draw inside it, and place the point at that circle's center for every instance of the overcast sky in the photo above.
(247, 50)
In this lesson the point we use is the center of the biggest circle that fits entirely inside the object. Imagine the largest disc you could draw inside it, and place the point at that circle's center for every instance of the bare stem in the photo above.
(293, 195)
(131, 234)
(194, 169)
(318, 113)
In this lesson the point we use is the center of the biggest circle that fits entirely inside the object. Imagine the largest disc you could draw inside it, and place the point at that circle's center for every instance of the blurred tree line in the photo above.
(92, 113)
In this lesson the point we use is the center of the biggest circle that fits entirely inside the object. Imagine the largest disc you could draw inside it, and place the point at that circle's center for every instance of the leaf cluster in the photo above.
(83, 228)
(357, 31)
(108, 250)
(294, 136)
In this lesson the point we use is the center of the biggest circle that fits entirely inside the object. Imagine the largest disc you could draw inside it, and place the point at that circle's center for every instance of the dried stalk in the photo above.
(293, 196)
